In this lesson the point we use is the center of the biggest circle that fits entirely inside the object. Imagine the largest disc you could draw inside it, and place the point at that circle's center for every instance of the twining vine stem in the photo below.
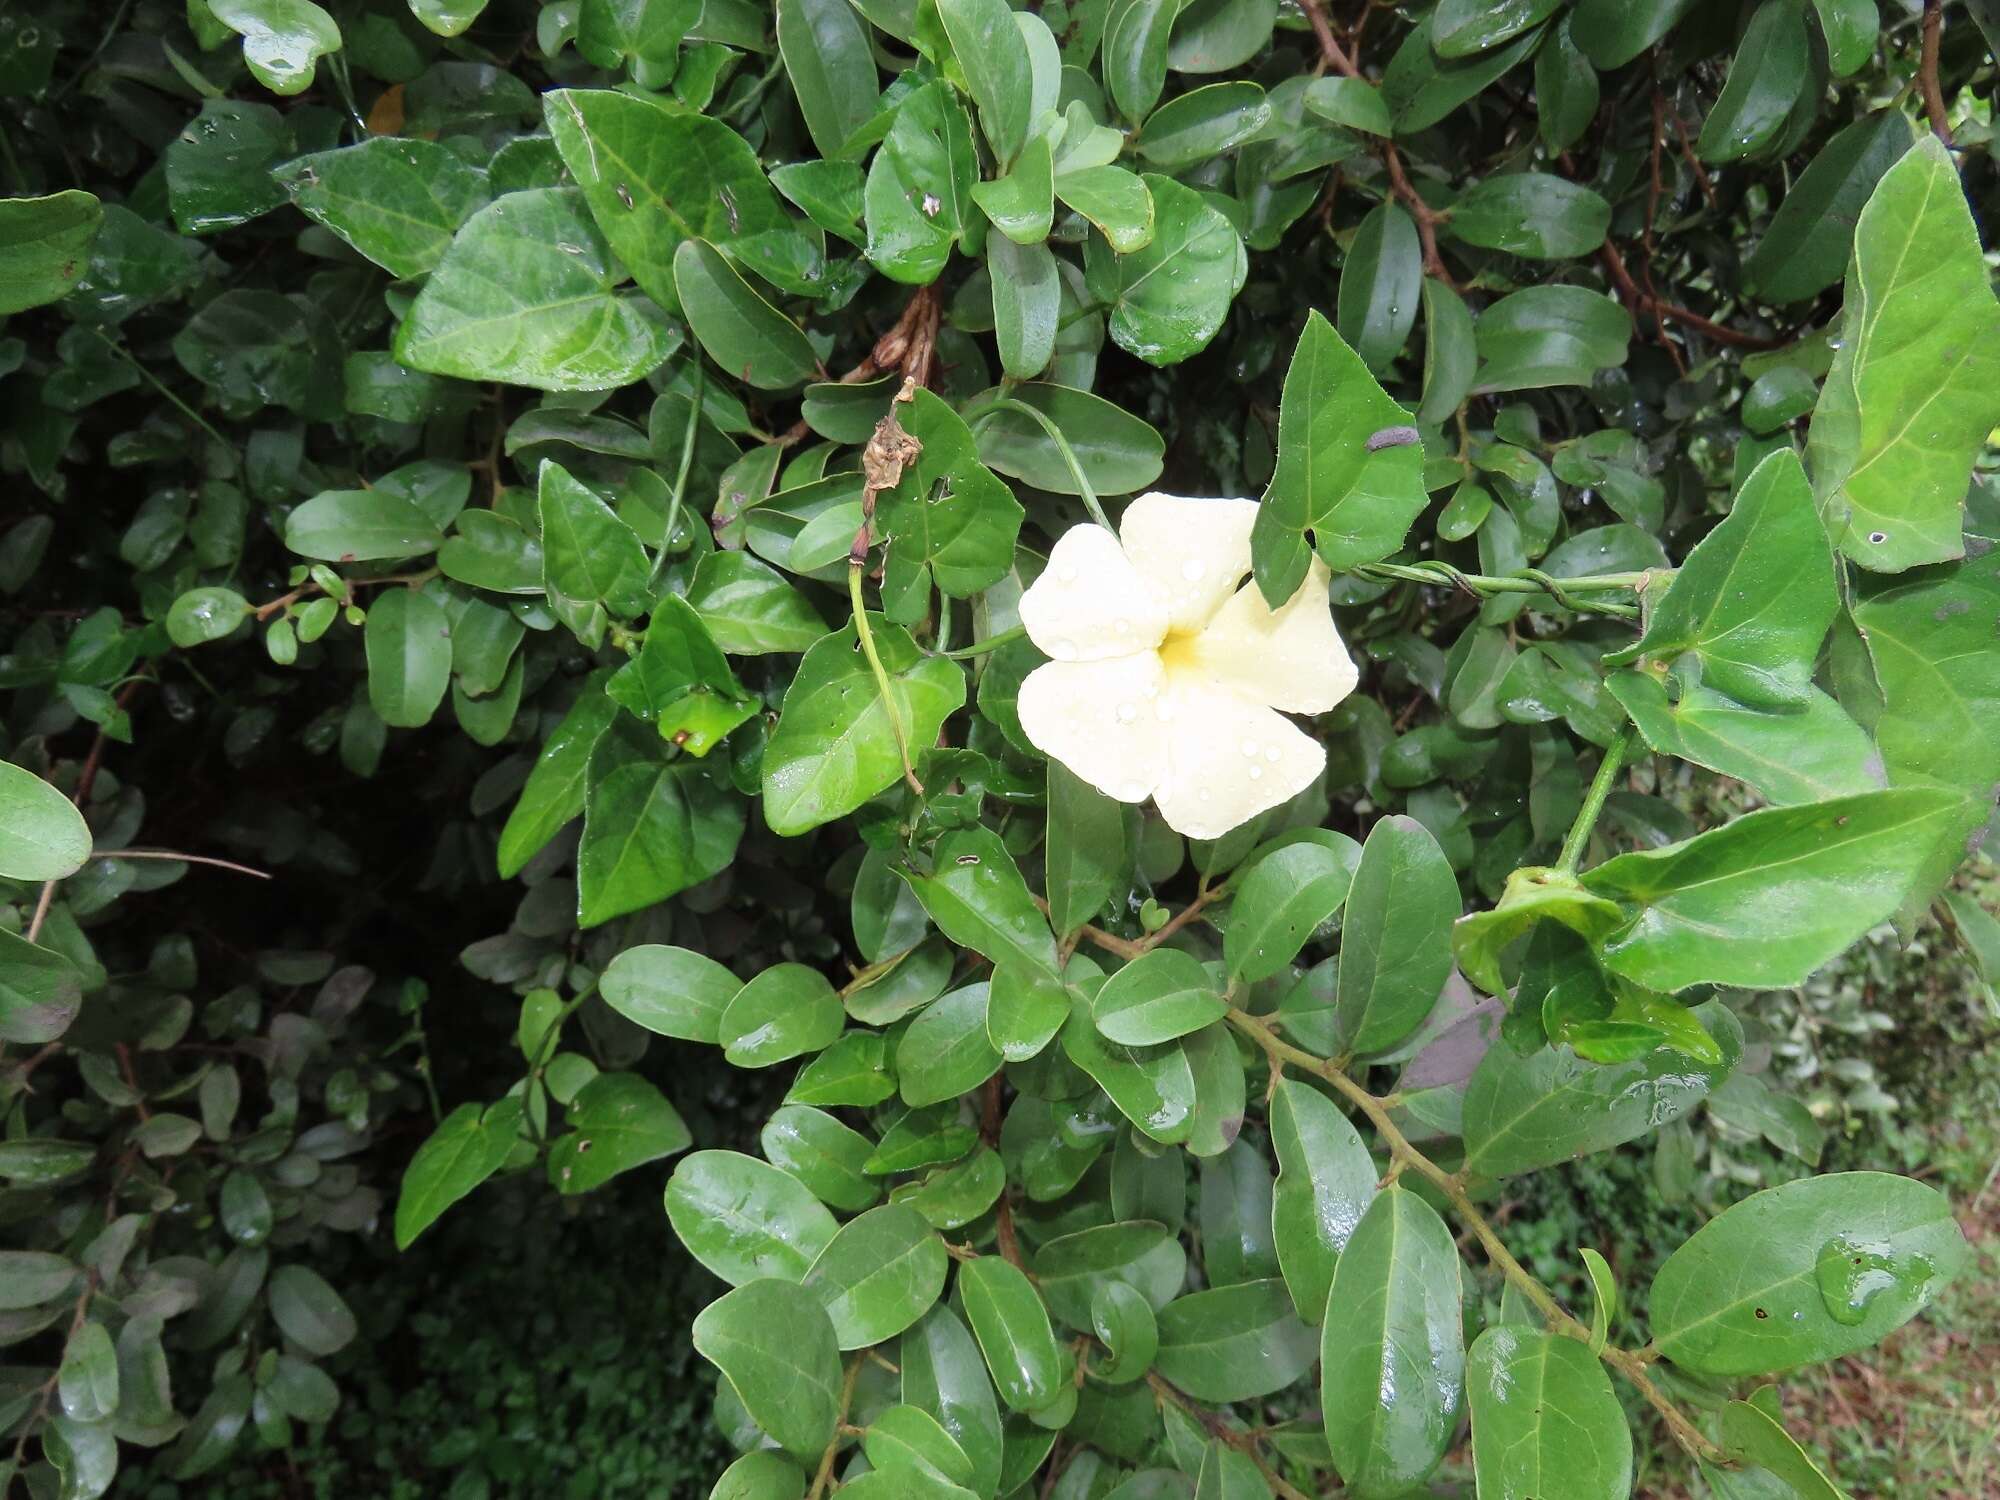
(1593, 802)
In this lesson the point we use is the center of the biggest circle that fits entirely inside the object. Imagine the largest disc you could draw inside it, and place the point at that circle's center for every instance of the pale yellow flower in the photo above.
(1170, 671)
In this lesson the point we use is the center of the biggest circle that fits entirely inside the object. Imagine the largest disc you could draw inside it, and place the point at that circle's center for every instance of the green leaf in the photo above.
(447, 17)
(978, 899)
(1227, 1474)
(835, 744)
(1392, 1367)
(783, 1012)
(527, 294)
(1215, 36)
(1325, 1182)
(918, 198)
(397, 201)
(309, 1312)
(994, 54)
(1158, 997)
(1353, 102)
(1027, 297)
(1805, 250)
(1545, 1420)
(1549, 335)
(408, 641)
(1118, 202)
(740, 331)
(44, 246)
(555, 789)
(669, 991)
(1380, 285)
(1280, 901)
(1753, 600)
(1163, 316)
(1604, 1297)
(1141, 1255)
(949, 520)
(745, 1219)
(749, 610)
(823, 1154)
(1533, 215)
(42, 835)
(1771, 69)
(1025, 1008)
(645, 34)
(1754, 1436)
(1460, 28)
(945, 1052)
(656, 177)
(1124, 1322)
(360, 526)
(1234, 1343)
(588, 553)
(1135, 53)
(1395, 940)
(1357, 502)
(1012, 1327)
(825, 49)
(469, 1146)
(944, 1375)
(1522, 1113)
(908, 1437)
(1915, 385)
(1087, 858)
(1021, 205)
(1850, 28)
(219, 168)
(878, 1275)
(88, 1379)
(1421, 87)
(1153, 1087)
(680, 682)
(1205, 122)
(1613, 32)
(854, 1070)
(652, 827)
(1747, 1104)
(1566, 89)
(40, 990)
(617, 1121)
(775, 1345)
(1763, 901)
(283, 40)
(1804, 1273)
(1806, 754)
(1120, 454)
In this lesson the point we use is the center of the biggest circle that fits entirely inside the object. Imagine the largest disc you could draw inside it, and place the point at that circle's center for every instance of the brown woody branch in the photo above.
(1927, 71)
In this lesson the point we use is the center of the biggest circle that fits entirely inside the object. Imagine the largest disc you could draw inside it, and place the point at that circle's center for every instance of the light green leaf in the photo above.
(1763, 901)
(617, 1121)
(1392, 1366)
(1353, 102)
(588, 553)
(44, 246)
(1203, 123)
(1165, 316)
(1532, 214)
(775, 1345)
(1282, 898)
(1395, 939)
(397, 201)
(946, 1052)
(749, 610)
(283, 40)
(822, 1153)
(1118, 202)
(745, 1219)
(42, 835)
(908, 1437)
(652, 826)
(469, 1146)
(408, 642)
(1753, 1435)
(1158, 997)
(975, 894)
(783, 1012)
(1805, 1272)
(825, 49)
(948, 520)
(944, 1375)
(1805, 250)
(918, 198)
(360, 526)
(669, 991)
(1027, 302)
(527, 293)
(878, 1275)
(1012, 1327)
(1545, 1420)
(1915, 386)
(554, 793)
(994, 54)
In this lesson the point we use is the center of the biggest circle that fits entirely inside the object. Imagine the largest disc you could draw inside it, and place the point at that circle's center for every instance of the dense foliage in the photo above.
(621, 492)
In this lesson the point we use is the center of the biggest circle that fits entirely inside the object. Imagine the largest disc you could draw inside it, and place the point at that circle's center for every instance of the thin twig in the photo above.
(1927, 71)
(186, 859)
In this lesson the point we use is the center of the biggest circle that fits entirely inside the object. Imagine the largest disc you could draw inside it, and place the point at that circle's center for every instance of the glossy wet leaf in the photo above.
(1806, 248)
(944, 1374)
(1118, 452)
(949, 520)
(1234, 1343)
(528, 293)
(1157, 997)
(397, 201)
(1805, 1272)
(671, 991)
(1549, 335)
(976, 895)
(616, 1122)
(1203, 123)
(744, 1218)
(918, 197)
(1021, 205)
(408, 640)
(1915, 384)
(1164, 315)
(283, 40)
(1116, 201)
(360, 526)
(1012, 1327)
(1326, 1180)
(834, 746)
(1545, 1420)
(1772, 67)
(775, 1345)
(824, 45)
(1356, 502)
(994, 54)
(1392, 1366)
(556, 787)
(782, 1012)
(1533, 215)
(1522, 1113)
(1765, 900)
(741, 332)
(652, 826)
(749, 609)
(1806, 753)
(42, 835)
(1086, 856)
(908, 1437)
(1153, 1087)
(1395, 942)
(1282, 899)
(878, 1275)
(946, 1051)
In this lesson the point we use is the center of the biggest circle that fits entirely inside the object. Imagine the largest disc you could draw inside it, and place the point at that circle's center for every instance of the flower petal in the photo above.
(1102, 720)
(1228, 758)
(1090, 602)
(1291, 657)
(1194, 551)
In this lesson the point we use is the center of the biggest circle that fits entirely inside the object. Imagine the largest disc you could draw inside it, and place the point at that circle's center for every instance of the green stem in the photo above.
(154, 381)
(1083, 487)
(867, 638)
(991, 643)
(1593, 802)
(1528, 581)
(680, 475)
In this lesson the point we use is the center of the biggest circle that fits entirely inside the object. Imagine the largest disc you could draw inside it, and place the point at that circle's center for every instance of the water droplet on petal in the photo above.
(1249, 748)
(1193, 568)
(1127, 712)
(1272, 755)
(1256, 773)
(1063, 649)
(1066, 573)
